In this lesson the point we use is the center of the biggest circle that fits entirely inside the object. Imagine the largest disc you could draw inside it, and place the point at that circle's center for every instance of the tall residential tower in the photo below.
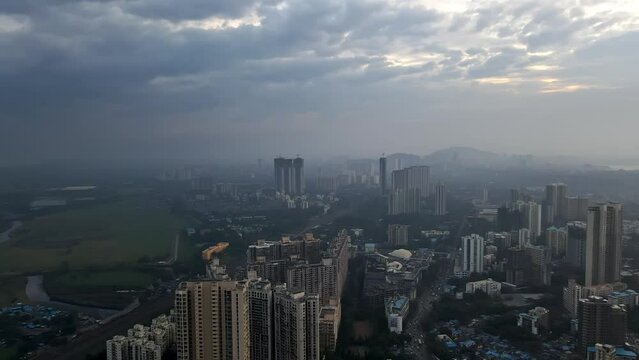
(212, 320)
(382, 174)
(440, 200)
(603, 243)
(289, 176)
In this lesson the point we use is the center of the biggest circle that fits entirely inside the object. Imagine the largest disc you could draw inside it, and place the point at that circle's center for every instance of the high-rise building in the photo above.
(398, 164)
(289, 176)
(299, 183)
(575, 292)
(515, 196)
(382, 174)
(260, 298)
(577, 208)
(117, 348)
(296, 325)
(283, 175)
(539, 272)
(414, 177)
(299, 264)
(576, 246)
(517, 266)
(531, 216)
(404, 201)
(557, 241)
(603, 243)
(329, 320)
(523, 238)
(440, 200)
(473, 254)
(409, 186)
(600, 322)
(397, 235)
(212, 320)
(556, 199)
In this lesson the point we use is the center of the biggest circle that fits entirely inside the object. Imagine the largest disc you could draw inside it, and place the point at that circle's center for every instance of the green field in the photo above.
(8, 353)
(118, 279)
(97, 288)
(11, 288)
(119, 233)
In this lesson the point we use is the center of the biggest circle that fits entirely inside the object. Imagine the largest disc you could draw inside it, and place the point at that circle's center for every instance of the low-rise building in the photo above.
(629, 298)
(397, 235)
(329, 325)
(489, 286)
(609, 352)
(534, 320)
(143, 342)
(574, 292)
(396, 311)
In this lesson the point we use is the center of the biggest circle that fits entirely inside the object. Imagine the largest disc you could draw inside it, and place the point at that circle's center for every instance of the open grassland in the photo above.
(10, 353)
(98, 288)
(103, 236)
(12, 289)
(117, 279)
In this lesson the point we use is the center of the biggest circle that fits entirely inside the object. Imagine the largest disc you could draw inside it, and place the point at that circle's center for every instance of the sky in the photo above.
(246, 79)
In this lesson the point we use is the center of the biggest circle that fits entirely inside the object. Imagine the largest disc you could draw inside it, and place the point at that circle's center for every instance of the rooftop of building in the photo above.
(401, 253)
(620, 352)
(623, 293)
(396, 304)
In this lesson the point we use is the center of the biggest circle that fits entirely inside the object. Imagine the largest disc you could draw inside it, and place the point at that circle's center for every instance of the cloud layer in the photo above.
(246, 78)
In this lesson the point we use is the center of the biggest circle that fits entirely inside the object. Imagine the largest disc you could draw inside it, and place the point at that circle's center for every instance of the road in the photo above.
(5, 236)
(175, 250)
(93, 342)
(417, 347)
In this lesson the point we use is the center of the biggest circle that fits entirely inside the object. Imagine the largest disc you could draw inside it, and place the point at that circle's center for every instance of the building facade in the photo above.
(473, 254)
(289, 176)
(603, 243)
(600, 322)
(397, 235)
(488, 286)
(382, 175)
(212, 320)
(440, 200)
(296, 325)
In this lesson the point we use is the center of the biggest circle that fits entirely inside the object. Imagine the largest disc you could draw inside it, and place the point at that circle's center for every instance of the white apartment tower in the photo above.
(473, 254)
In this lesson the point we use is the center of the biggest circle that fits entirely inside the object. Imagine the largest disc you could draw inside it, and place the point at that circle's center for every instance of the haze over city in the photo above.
(319, 180)
(228, 79)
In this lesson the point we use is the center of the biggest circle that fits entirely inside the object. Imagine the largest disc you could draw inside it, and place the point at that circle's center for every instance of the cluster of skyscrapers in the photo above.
(409, 186)
(247, 319)
(288, 307)
(289, 176)
(600, 305)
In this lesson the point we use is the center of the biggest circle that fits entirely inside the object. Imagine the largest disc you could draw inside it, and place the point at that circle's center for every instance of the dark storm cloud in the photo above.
(146, 77)
(184, 10)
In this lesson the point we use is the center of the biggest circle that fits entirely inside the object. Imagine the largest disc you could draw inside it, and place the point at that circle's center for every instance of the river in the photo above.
(36, 293)
(5, 236)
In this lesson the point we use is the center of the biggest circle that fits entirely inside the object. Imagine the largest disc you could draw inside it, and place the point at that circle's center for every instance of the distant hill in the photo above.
(467, 156)
(406, 160)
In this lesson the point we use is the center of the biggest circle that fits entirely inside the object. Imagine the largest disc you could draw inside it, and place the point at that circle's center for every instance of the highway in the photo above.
(417, 347)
